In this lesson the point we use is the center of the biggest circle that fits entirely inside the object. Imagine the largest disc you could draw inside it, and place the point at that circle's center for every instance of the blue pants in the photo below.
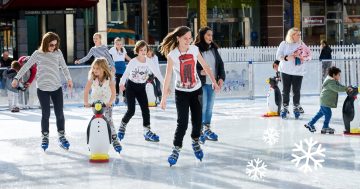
(324, 111)
(207, 103)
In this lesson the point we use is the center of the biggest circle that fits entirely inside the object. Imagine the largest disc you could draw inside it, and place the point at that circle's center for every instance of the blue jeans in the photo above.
(208, 103)
(324, 111)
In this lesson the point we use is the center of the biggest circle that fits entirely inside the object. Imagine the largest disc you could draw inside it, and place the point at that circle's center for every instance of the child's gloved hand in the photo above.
(349, 90)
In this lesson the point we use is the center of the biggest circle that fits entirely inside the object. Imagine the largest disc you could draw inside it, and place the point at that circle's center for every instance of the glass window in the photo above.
(235, 23)
(8, 36)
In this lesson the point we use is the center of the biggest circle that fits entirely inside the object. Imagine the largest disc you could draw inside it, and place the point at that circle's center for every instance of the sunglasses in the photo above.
(52, 45)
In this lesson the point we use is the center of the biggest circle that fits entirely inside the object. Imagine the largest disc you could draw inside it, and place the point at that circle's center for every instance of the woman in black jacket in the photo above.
(208, 49)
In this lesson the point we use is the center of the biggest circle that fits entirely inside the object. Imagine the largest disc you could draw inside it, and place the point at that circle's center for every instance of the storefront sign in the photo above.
(314, 20)
(352, 19)
(43, 12)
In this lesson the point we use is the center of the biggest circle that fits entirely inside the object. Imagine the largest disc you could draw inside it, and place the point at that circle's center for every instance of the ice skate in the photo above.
(327, 131)
(174, 156)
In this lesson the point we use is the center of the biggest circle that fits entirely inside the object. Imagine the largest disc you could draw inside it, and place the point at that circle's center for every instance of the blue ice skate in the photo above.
(45, 141)
(63, 143)
(197, 150)
(174, 156)
(297, 112)
(121, 132)
(284, 113)
(116, 144)
(210, 135)
(152, 137)
(202, 139)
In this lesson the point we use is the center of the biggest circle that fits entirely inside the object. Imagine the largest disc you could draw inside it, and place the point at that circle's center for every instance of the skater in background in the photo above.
(119, 55)
(182, 59)
(155, 60)
(5, 62)
(209, 51)
(325, 56)
(27, 79)
(98, 51)
(275, 66)
(136, 76)
(292, 54)
(13, 93)
(102, 88)
(328, 99)
(49, 59)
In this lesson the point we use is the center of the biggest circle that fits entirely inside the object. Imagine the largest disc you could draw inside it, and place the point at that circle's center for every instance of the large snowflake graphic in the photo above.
(271, 136)
(308, 155)
(256, 169)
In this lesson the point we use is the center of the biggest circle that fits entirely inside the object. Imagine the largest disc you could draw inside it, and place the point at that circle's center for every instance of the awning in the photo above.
(47, 4)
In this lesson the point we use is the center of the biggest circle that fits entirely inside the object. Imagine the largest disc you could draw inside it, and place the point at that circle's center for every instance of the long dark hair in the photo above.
(200, 40)
(170, 41)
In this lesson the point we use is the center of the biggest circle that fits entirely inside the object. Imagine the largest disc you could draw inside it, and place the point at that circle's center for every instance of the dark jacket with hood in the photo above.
(219, 72)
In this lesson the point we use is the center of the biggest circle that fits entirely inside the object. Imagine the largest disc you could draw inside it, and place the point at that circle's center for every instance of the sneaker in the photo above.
(310, 127)
(150, 136)
(327, 130)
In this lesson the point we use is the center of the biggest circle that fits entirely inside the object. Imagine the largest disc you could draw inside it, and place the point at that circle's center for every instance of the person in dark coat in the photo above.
(325, 56)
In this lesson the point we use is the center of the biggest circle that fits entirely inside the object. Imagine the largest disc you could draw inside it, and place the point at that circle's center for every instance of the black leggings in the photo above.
(289, 81)
(184, 101)
(136, 91)
(57, 98)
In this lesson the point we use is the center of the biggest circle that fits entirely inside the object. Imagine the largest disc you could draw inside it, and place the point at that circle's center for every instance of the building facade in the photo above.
(235, 23)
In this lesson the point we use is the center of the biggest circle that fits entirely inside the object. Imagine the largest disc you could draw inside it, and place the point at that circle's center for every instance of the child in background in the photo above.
(328, 99)
(276, 68)
(157, 88)
(103, 89)
(13, 93)
(98, 51)
(119, 54)
(136, 76)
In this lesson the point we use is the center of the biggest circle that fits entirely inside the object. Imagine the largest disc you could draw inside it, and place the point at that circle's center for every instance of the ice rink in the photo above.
(142, 164)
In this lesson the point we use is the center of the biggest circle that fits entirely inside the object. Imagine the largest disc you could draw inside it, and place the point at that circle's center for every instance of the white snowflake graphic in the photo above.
(308, 154)
(271, 136)
(256, 169)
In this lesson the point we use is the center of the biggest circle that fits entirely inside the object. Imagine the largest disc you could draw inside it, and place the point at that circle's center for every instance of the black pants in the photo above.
(184, 101)
(157, 88)
(138, 92)
(117, 79)
(289, 81)
(57, 98)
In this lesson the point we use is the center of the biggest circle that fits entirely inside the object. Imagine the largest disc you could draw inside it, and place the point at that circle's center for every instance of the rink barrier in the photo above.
(245, 79)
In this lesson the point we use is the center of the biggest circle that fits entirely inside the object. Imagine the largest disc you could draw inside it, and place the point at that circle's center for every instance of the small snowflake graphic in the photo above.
(308, 154)
(256, 169)
(271, 136)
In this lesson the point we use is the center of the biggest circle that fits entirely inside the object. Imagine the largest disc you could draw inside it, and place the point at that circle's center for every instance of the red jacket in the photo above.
(22, 60)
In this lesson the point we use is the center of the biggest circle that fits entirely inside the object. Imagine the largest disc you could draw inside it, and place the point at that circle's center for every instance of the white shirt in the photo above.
(118, 55)
(186, 78)
(100, 92)
(289, 67)
(138, 72)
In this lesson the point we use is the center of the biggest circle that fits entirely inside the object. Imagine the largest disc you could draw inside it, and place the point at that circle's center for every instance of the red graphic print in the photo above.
(187, 65)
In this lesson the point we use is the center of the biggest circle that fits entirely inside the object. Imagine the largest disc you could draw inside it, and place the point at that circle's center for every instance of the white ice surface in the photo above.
(142, 164)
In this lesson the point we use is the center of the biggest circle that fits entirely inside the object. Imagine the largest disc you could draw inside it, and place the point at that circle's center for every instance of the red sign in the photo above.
(314, 20)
